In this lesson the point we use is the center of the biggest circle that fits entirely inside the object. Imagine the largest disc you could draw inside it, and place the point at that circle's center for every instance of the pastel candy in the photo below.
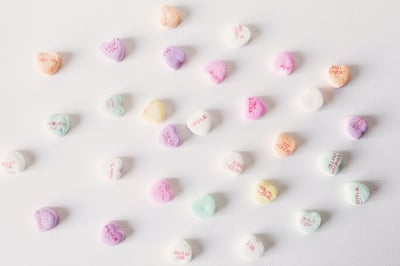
(112, 169)
(200, 123)
(283, 63)
(339, 75)
(114, 49)
(255, 108)
(161, 191)
(170, 16)
(356, 126)
(170, 137)
(233, 163)
(216, 70)
(58, 124)
(181, 253)
(155, 112)
(252, 248)
(12, 162)
(174, 56)
(49, 63)
(330, 163)
(265, 192)
(238, 36)
(113, 105)
(312, 100)
(356, 193)
(204, 207)
(111, 234)
(284, 145)
(46, 219)
(308, 222)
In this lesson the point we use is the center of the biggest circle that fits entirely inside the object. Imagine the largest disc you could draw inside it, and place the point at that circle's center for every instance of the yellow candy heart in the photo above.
(49, 63)
(265, 192)
(154, 112)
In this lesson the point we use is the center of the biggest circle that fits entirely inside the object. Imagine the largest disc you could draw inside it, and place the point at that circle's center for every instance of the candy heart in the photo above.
(265, 192)
(169, 136)
(161, 191)
(58, 124)
(238, 35)
(170, 16)
(339, 75)
(252, 248)
(174, 56)
(49, 63)
(12, 162)
(308, 222)
(233, 163)
(114, 49)
(312, 100)
(216, 70)
(283, 63)
(356, 126)
(330, 163)
(181, 253)
(255, 108)
(111, 234)
(200, 123)
(204, 207)
(284, 145)
(155, 112)
(46, 219)
(113, 105)
(112, 169)
(356, 193)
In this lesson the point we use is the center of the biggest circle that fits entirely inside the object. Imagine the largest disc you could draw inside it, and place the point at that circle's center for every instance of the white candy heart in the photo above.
(200, 123)
(252, 248)
(312, 100)
(181, 253)
(238, 35)
(12, 162)
(112, 169)
(233, 163)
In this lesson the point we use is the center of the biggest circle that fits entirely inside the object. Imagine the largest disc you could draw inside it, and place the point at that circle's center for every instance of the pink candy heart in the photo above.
(255, 108)
(111, 234)
(169, 136)
(356, 126)
(46, 219)
(216, 70)
(161, 191)
(283, 63)
(114, 49)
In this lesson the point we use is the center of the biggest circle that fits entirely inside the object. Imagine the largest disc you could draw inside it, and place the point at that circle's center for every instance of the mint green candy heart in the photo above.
(330, 163)
(113, 105)
(357, 193)
(204, 207)
(58, 124)
(308, 222)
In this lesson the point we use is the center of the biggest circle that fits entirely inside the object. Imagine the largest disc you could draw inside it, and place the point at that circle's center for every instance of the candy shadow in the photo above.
(125, 227)
(326, 216)
(248, 158)
(75, 120)
(266, 240)
(269, 103)
(300, 141)
(373, 187)
(29, 157)
(346, 160)
(221, 201)
(328, 95)
(63, 213)
(66, 59)
(255, 32)
(190, 51)
(184, 132)
(175, 186)
(184, 11)
(127, 101)
(372, 122)
(354, 72)
(230, 68)
(169, 106)
(129, 44)
(127, 165)
(282, 188)
(197, 247)
(216, 118)
(298, 59)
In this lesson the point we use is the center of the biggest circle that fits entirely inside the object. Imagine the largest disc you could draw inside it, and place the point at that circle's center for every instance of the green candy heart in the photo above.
(204, 207)
(330, 163)
(308, 221)
(58, 124)
(113, 105)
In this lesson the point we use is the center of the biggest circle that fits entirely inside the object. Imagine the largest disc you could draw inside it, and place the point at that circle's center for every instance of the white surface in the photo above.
(62, 172)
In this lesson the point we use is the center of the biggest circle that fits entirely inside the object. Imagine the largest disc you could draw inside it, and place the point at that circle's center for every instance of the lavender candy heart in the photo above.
(111, 234)
(114, 49)
(169, 136)
(174, 56)
(356, 127)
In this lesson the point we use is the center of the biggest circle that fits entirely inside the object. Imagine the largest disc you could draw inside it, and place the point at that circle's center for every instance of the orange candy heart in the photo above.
(49, 63)
(170, 16)
(339, 75)
(284, 145)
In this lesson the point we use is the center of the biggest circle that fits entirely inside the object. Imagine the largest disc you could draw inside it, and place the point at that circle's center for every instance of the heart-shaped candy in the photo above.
(58, 124)
(170, 16)
(111, 234)
(112, 169)
(114, 49)
(255, 108)
(330, 163)
(238, 35)
(284, 145)
(252, 248)
(46, 219)
(312, 100)
(181, 253)
(283, 63)
(204, 207)
(174, 56)
(216, 71)
(155, 112)
(199, 123)
(161, 191)
(49, 63)
(12, 162)
(169, 136)
(233, 163)
(265, 192)
(356, 126)
(308, 222)
(339, 75)
(113, 105)
(356, 193)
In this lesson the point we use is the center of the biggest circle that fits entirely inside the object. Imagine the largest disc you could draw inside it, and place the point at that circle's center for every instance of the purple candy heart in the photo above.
(113, 49)
(111, 234)
(356, 126)
(174, 56)
(46, 219)
(169, 136)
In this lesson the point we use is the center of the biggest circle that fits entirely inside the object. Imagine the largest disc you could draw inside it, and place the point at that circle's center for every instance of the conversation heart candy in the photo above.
(199, 123)
(356, 126)
(113, 105)
(169, 136)
(284, 145)
(204, 207)
(174, 56)
(12, 162)
(58, 124)
(265, 192)
(308, 222)
(114, 49)
(111, 234)
(356, 193)
(238, 35)
(312, 100)
(49, 63)
(170, 16)
(252, 248)
(216, 70)
(181, 253)
(330, 163)
(233, 163)
(255, 108)
(283, 63)
(161, 191)
(154, 112)
(46, 219)
(339, 75)
(112, 169)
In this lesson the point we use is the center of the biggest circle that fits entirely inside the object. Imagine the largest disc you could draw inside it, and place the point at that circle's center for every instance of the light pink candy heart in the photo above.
(161, 191)
(216, 70)
(283, 63)
(255, 108)
(112, 235)
(113, 49)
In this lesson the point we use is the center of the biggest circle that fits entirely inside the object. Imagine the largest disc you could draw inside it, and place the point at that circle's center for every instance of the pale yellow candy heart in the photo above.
(339, 75)
(265, 192)
(284, 145)
(154, 112)
(49, 63)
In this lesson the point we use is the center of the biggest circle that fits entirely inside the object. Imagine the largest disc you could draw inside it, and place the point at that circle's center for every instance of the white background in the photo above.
(62, 171)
